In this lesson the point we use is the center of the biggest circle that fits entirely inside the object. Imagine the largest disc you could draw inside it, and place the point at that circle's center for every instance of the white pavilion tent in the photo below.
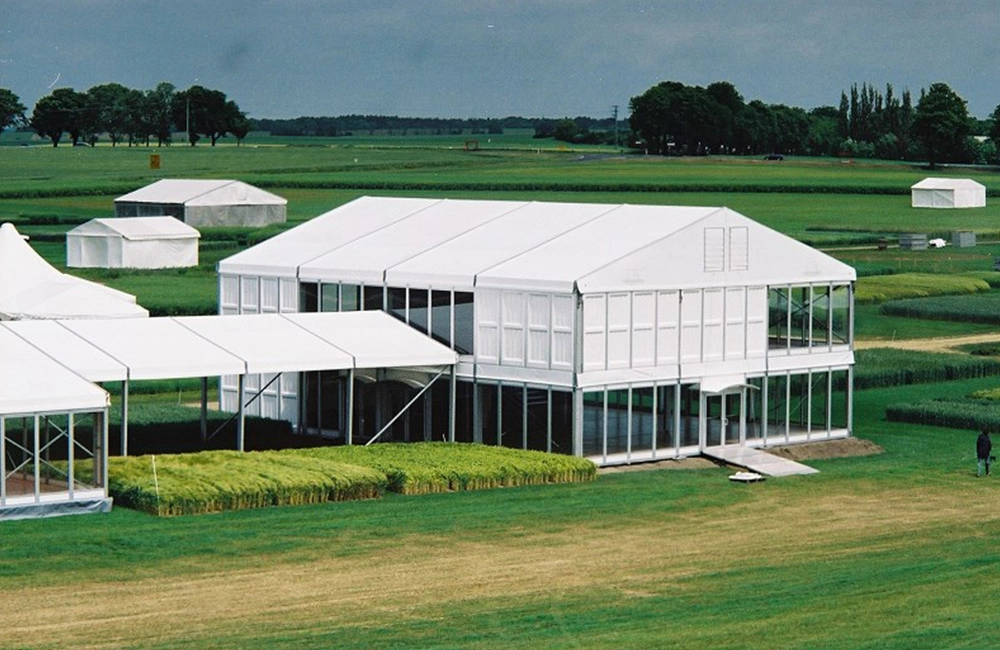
(132, 242)
(948, 193)
(204, 203)
(31, 288)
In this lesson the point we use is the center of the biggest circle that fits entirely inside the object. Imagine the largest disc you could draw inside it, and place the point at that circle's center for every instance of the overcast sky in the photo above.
(493, 58)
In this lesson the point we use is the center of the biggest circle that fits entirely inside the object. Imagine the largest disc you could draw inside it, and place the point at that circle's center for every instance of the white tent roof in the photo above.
(31, 382)
(201, 192)
(542, 246)
(947, 184)
(202, 346)
(136, 228)
(31, 288)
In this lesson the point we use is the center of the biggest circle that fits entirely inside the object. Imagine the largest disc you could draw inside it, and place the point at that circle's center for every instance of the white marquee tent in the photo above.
(31, 288)
(132, 242)
(204, 203)
(947, 193)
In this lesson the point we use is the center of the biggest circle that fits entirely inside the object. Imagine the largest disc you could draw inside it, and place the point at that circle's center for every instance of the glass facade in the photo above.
(808, 316)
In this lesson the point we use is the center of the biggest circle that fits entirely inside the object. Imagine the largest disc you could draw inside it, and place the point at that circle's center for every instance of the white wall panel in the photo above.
(513, 316)
(595, 314)
(229, 288)
(563, 314)
(756, 322)
(487, 326)
(691, 326)
(735, 322)
(289, 299)
(269, 295)
(643, 329)
(539, 329)
(713, 315)
(668, 314)
(249, 295)
(619, 330)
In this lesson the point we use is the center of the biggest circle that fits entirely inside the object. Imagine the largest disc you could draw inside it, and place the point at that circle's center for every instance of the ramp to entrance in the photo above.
(758, 461)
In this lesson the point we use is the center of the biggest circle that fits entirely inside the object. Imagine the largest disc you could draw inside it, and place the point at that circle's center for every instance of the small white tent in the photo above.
(204, 203)
(947, 193)
(132, 242)
(31, 288)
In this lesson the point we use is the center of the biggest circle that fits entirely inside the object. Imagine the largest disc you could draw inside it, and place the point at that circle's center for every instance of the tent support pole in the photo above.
(349, 438)
(241, 420)
(403, 410)
(125, 417)
(451, 404)
(204, 409)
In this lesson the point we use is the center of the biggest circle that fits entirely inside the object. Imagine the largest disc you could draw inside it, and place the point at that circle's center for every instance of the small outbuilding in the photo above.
(204, 203)
(132, 243)
(948, 193)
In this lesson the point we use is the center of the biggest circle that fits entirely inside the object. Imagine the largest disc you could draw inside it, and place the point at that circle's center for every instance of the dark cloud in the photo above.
(494, 58)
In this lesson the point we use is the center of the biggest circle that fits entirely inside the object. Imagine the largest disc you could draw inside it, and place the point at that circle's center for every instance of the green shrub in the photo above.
(973, 414)
(882, 367)
(882, 288)
(984, 308)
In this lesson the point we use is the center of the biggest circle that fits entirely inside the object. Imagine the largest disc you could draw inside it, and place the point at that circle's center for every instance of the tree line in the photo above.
(126, 115)
(674, 118)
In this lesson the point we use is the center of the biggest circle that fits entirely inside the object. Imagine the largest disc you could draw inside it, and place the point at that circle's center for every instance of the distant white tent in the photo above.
(132, 242)
(31, 288)
(204, 203)
(948, 193)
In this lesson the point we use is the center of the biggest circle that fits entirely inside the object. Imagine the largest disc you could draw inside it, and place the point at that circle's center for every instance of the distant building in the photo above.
(200, 203)
(948, 193)
(132, 242)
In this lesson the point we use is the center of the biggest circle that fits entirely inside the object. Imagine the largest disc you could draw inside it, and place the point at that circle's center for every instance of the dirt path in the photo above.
(941, 344)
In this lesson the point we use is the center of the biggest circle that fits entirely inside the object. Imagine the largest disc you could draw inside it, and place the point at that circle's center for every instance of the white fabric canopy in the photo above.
(132, 242)
(31, 288)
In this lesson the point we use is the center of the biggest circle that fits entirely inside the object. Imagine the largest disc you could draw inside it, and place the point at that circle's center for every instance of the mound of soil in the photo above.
(843, 448)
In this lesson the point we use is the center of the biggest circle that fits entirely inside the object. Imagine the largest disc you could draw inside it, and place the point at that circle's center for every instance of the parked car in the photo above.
(774, 156)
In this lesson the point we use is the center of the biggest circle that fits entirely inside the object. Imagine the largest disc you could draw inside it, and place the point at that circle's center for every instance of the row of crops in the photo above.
(885, 367)
(215, 481)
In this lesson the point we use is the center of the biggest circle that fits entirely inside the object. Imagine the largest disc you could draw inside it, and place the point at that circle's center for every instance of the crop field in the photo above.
(892, 550)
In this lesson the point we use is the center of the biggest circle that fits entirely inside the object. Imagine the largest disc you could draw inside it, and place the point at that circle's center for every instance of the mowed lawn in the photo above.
(889, 551)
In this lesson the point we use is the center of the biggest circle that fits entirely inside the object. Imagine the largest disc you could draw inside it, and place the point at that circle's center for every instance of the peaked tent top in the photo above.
(201, 192)
(947, 184)
(31, 288)
(137, 228)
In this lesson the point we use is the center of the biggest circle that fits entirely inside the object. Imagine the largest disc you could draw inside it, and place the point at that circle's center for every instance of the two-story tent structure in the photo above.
(623, 333)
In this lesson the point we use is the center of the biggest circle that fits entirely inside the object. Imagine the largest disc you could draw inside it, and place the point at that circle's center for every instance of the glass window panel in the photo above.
(308, 297)
(755, 408)
(840, 307)
(821, 316)
(397, 303)
(512, 417)
(562, 422)
(799, 304)
(463, 411)
(593, 423)
(798, 403)
(538, 419)
(642, 419)
(689, 415)
(418, 309)
(617, 432)
(777, 408)
(464, 323)
(329, 297)
(666, 409)
(838, 399)
(818, 403)
(441, 316)
(350, 297)
(777, 318)
(488, 412)
(373, 298)
(440, 402)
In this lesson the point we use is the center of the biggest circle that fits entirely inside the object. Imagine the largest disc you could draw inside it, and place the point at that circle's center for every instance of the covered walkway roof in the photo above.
(201, 346)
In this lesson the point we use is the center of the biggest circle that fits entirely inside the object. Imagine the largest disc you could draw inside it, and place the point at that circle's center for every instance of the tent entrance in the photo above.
(722, 418)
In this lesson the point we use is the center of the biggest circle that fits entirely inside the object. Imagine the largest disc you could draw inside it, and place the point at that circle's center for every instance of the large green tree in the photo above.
(941, 124)
(108, 111)
(201, 111)
(11, 109)
(63, 111)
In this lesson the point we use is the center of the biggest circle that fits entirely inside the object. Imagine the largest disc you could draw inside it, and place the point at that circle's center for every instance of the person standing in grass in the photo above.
(983, 448)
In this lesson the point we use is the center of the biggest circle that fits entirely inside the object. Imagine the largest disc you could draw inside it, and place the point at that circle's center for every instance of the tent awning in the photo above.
(723, 383)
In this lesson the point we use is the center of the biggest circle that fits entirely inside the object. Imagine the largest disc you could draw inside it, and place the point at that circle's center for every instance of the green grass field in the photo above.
(885, 551)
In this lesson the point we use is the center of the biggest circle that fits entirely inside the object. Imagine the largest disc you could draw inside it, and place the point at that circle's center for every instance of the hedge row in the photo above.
(882, 367)
(882, 288)
(983, 308)
(974, 414)
(214, 481)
